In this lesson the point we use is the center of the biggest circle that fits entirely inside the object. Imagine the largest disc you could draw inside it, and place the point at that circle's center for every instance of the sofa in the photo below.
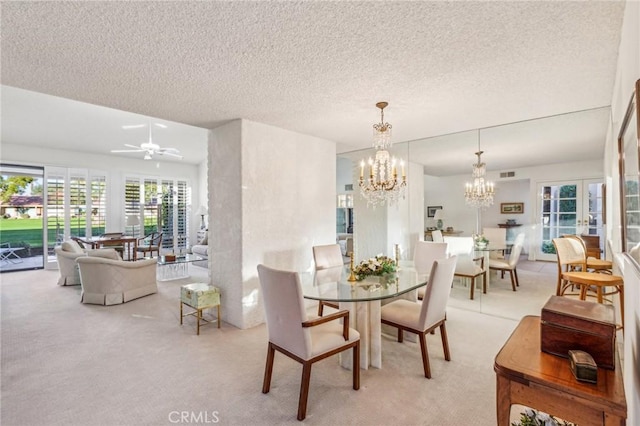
(201, 249)
(67, 254)
(109, 282)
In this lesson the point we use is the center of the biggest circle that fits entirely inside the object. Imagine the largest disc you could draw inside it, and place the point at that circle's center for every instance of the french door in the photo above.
(568, 207)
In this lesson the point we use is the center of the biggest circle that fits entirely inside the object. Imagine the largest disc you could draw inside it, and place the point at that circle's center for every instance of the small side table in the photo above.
(199, 296)
(527, 376)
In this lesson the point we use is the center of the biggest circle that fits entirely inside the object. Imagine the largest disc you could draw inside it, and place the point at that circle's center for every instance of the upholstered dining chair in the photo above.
(436, 236)
(424, 254)
(572, 271)
(509, 264)
(150, 243)
(291, 333)
(425, 317)
(496, 237)
(468, 266)
(324, 257)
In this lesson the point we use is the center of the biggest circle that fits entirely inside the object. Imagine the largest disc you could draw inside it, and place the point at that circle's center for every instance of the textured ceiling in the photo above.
(317, 67)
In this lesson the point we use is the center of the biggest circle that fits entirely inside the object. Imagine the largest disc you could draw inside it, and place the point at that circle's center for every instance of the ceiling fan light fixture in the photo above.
(147, 156)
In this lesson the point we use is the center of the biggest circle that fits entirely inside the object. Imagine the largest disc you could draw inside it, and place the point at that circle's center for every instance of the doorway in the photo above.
(569, 207)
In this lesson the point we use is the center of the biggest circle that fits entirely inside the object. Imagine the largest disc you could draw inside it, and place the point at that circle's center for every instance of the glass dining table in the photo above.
(363, 300)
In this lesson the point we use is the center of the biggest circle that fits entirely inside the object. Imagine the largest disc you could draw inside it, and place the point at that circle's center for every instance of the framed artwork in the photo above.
(431, 210)
(511, 208)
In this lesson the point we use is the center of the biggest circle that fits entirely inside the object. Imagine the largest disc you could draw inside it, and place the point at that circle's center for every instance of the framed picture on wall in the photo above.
(431, 210)
(511, 208)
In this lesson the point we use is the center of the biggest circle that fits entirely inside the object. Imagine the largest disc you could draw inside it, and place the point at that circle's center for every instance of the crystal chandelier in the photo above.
(382, 185)
(479, 193)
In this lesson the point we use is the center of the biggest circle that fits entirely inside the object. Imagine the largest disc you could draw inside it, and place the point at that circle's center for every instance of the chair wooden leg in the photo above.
(484, 283)
(356, 366)
(445, 342)
(320, 308)
(473, 287)
(425, 355)
(400, 335)
(304, 390)
(516, 275)
(268, 369)
(513, 282)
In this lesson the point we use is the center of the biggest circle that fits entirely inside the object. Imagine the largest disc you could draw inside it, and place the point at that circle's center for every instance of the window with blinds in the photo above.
(151, 213)
(78, 205)
(165, 206)
(55, 183)
(98, 216)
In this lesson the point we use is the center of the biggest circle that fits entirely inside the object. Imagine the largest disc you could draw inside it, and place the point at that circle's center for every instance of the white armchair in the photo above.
(109, 282)
(67, 254)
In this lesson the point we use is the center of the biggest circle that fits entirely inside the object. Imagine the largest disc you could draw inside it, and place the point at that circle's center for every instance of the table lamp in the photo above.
(202, 211)
(438, 217)
(132, 221)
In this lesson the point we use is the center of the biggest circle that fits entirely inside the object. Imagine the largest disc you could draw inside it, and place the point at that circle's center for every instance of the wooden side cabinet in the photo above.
(527, 376)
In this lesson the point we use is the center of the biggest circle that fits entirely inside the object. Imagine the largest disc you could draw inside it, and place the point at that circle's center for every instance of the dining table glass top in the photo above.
(332, 284)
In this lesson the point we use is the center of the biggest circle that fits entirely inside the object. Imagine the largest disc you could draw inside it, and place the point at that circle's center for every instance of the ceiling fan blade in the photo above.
(174, 150)
(127, 150)
(170, 154)
(132, 146)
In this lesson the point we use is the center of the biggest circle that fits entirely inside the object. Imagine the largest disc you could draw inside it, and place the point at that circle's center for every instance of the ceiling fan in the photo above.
(149, 148)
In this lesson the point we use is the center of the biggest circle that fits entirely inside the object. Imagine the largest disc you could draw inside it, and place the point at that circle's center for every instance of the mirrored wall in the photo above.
(521, 159)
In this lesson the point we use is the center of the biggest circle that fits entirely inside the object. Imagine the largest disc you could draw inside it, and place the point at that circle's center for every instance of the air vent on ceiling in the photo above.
(348, 187)
(507, 174)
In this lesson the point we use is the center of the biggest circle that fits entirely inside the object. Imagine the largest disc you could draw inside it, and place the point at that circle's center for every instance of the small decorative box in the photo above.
(583, 366)
(200, 295)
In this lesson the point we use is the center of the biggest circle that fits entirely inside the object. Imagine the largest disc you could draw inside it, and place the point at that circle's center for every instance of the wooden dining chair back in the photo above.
(294, 335)
(426, 252)
(468, 266)
(572, 273)
(423, 318)
(327, 256)
(510, 264)
(150, 243)
(86, 245)
(594, 264)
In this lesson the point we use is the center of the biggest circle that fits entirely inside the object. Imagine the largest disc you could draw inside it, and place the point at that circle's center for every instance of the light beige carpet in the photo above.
(67, 363)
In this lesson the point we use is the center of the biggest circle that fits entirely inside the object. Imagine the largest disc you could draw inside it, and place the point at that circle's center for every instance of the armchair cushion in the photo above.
(107, 253)
(71, 246)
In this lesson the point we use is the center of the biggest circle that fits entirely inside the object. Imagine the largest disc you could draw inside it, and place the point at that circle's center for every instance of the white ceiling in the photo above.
(317, 68)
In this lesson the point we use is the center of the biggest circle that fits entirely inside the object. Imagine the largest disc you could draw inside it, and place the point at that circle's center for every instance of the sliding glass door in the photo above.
(75, 206)
(21, 217)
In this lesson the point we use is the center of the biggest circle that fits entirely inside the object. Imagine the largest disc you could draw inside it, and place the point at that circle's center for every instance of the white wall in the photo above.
(269, 204)
(628, 71)
(115, 168)
(448, 192)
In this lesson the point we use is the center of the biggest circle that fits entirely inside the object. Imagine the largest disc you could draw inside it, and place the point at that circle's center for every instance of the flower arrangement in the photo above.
(532, 417)
(378, 265)
(480, 240)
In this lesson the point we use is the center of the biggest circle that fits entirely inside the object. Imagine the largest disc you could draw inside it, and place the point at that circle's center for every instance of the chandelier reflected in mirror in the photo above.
(479, 193)
(382, 184)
